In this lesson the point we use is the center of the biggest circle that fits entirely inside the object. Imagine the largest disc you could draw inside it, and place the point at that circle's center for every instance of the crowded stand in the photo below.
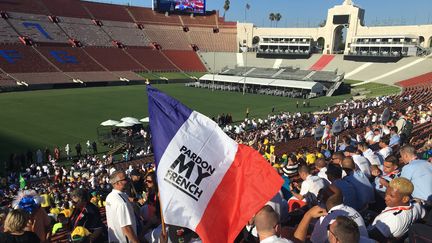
(371, 177)
(357, 171)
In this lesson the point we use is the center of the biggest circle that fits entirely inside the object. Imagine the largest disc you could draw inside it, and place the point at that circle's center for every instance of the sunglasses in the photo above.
(149, 181)
(121, 180)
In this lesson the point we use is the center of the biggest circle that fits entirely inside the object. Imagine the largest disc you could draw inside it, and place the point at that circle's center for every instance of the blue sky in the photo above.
(310, 12)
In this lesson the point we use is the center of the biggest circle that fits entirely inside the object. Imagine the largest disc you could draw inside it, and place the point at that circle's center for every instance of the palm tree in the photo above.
(272, 18)
(278, 17)
(226, 7)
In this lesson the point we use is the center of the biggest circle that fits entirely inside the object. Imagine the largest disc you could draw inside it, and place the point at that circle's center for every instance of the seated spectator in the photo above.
(61, 223)
(15, 224)
(337, 158)
(361, 162)
(310, 186)
(349, 195)
(321, 167)
(332, 197)
(395, 220)
(385, 149)
(394, 137)
(419, 172)
(343, 229)
(267, 226)
(86, 214)
(369, 154)
(3, 214)
(364, 189)
(385, 173)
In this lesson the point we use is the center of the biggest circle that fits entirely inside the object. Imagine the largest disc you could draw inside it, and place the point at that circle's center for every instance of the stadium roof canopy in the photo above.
(308, 85)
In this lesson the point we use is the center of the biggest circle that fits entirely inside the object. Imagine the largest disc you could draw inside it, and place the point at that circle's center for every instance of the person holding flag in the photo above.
(207, 182)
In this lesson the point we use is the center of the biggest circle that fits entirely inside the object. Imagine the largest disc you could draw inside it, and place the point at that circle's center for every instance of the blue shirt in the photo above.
(348, 193)
(394, 139)
(364, 189)
(286, 188)
(419, 172)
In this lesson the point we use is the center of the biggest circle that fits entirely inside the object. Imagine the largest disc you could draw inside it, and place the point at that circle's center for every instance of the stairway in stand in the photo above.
(322, 62)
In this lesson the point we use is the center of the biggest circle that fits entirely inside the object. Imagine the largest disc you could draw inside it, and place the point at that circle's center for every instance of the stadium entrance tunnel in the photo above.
(339, 39)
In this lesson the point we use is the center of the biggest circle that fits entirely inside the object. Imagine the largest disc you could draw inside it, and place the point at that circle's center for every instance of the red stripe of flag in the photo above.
(248, 184)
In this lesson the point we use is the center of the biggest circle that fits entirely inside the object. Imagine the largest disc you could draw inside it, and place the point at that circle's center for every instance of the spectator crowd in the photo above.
(355, 172)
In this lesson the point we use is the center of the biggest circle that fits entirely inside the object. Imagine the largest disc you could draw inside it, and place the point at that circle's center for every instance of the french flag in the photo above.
(207, 182)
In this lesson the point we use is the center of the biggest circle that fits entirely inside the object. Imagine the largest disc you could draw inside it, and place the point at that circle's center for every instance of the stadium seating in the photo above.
(102, 11)
(38, 27)
(169, 37)
(6, 81)
(85, 31)
(7, 33)
(69, 59)
(185, 60)
(25, 6)
(206, 40)
(151, 59)
(419, 81)
(114, 59)
(148, 16)
(66, 8)
(17, 58)
(94, 76)
(127, 33)
(207, 21)
(43, 78)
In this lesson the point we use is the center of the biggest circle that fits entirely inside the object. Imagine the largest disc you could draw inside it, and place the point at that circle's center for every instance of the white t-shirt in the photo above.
(319, 233)
(385, 152)
(369, 136)
(322, 174)
(363, 164)
(119, 213)
(312, 185)
(391, 225)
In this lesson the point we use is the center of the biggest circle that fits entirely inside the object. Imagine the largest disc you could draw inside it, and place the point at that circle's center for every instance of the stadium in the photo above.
(73, 92)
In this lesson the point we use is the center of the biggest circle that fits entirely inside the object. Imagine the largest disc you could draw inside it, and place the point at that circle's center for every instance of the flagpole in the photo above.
(164, 233)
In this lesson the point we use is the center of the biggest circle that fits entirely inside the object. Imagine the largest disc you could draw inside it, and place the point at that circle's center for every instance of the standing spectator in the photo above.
(419, 172)
(56, 153)
(68, 151)
(39, 157)
(122, 226)
(94, 147)
(47, 155)
(78, 150)
(86, 214)
(15, 224)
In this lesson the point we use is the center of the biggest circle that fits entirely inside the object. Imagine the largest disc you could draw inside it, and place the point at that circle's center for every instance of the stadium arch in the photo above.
(321, 43)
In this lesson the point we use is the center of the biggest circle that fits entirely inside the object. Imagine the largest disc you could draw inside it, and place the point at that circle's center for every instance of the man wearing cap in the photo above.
(122, 226)
(396, 219)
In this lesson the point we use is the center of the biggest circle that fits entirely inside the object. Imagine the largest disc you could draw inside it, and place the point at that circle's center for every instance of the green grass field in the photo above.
(36, 119)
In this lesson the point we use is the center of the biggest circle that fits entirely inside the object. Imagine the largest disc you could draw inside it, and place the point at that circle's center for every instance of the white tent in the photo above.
(131, 120)
(145, 120)
(124, 124)
(109, 123)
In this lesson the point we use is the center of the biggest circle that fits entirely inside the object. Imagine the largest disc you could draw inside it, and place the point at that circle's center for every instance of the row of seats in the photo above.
(40, 29)
(17, 58)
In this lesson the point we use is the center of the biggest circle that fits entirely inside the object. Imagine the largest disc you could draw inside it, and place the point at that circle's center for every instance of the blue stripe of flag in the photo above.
(167, 115)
